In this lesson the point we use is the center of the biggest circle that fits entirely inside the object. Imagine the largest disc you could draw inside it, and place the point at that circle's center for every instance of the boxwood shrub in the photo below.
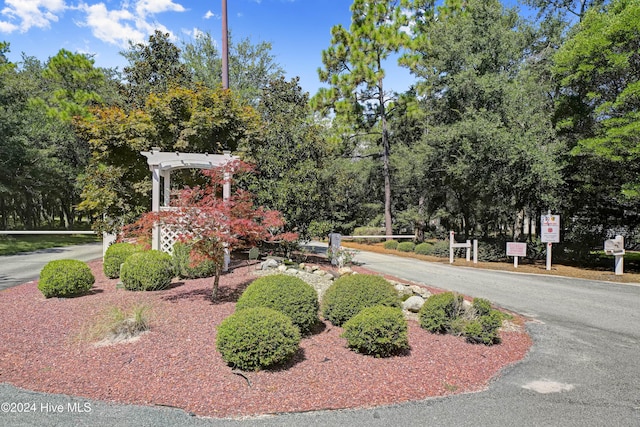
(378, 331)
(287, 294)
(440, 311)
(391, 244)
(115, 256)
(424, 248)
(256, 338)
(484, 329)
(147, 271)
(65, 278)
(189, 265)
(406, 246)
(350, 294)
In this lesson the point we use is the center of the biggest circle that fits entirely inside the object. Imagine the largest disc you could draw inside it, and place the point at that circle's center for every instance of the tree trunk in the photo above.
(216, 284)
(386, 172)
(420, 223)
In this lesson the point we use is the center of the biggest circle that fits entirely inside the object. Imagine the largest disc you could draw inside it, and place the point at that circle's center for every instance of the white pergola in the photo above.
(161, 163)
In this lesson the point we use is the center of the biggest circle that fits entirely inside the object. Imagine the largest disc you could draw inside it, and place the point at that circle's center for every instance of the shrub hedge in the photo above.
(65, 278)
(256, 338)
(440, 311)
(424, 248)
(406, 246)
(391, 244)
(350, 294)
(287, 294)
(147, 271)
(379, 331)
(115, 256)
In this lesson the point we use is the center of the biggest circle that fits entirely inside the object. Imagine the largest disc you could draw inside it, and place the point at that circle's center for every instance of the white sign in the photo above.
(516, 249)
(550, 229)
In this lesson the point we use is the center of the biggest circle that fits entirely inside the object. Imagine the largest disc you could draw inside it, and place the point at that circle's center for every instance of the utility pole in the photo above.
(225, 47)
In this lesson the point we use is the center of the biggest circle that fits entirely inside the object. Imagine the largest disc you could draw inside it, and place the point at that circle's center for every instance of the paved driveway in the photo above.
(583, 370)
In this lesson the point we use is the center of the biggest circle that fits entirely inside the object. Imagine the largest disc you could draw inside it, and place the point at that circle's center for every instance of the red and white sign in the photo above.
(550, 229)
(516, 249)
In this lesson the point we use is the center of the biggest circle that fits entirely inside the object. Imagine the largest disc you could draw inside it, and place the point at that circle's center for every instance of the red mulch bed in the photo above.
(176, 363)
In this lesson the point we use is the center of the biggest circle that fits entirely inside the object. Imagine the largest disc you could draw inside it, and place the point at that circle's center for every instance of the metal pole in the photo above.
(225, 47)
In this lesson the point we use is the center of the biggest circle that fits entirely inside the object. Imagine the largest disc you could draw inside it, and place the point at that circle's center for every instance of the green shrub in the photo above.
(189, 265)
(350, 294)
(440, 249)
(147, 271)
(484, 329)
(257, 338)
(369, 231)
(288, 294)
(481, 306)
(424, 248)
(65, 278)
(391, 244)
(378, 331)
(406, 246)
(440, 311)
(115, 256)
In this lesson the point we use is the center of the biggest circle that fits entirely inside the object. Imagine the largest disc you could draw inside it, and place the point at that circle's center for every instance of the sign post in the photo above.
(516, 249)
(549, 233)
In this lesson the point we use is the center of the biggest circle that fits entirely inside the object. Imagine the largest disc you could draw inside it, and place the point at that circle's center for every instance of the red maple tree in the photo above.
(215, 226)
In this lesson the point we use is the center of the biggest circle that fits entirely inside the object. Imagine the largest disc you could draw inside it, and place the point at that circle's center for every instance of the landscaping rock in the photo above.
(345, 271)
(270, 263)
(413, 304)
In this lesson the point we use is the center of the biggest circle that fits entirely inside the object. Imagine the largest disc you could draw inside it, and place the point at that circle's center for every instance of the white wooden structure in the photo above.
(161, 164)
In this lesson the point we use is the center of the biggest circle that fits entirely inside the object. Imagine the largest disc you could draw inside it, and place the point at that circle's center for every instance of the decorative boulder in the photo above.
(413, 304)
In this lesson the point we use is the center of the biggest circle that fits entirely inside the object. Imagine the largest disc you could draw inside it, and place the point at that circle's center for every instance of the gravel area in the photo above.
(176, 364)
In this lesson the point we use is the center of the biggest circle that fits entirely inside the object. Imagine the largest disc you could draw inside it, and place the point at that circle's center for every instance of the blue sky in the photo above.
(299, 30)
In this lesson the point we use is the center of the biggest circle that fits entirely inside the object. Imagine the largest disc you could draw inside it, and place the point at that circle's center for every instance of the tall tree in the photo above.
(576, 9)
(599, 70)
(153, 68)
(251, 66)
(354, 70)
(290, 157)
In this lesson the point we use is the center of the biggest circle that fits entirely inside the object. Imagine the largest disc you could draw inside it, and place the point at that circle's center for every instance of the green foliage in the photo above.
(350, 294)
(287, 294)
(147, 271)
(117, 323)
(484, 329)
(257, 338)
(391, 244)
(481, 306)
(378, 331)
(424, 248)
(368, 231)
(439, 312)
(188, 264)
(406, 246)
(115, 256)
(65, 278)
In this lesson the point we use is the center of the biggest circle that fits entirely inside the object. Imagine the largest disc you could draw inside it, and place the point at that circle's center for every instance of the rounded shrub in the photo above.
(391, 244)
(288, 294)
(257, 338)
(115, 256)
(190, 265)
(147, 271)
(481, 306)
(424, 248)
(406, 246)
(65, 278)
(378, 331)
(440, 311)
(484, 329)
(350, 294)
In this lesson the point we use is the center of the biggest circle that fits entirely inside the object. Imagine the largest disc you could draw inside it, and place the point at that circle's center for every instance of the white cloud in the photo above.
(150, 7)
(30, 13)
(210, 15)
(129, 23)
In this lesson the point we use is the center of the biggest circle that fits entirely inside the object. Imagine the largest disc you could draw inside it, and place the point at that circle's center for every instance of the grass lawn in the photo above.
(13, 244)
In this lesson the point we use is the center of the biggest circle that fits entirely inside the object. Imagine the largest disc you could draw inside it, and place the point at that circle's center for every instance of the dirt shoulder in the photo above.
(536, 268)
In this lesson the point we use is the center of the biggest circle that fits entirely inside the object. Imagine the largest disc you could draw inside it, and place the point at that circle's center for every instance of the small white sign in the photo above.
(550, 229)
(516, 249)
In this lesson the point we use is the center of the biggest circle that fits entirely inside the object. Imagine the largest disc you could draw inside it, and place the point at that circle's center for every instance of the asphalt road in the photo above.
(583, 370)
(25, 267)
